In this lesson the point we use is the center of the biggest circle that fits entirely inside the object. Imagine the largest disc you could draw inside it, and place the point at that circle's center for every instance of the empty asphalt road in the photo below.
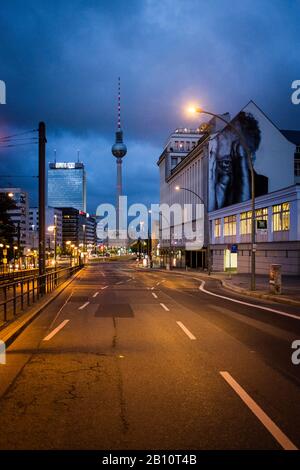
(138, 359)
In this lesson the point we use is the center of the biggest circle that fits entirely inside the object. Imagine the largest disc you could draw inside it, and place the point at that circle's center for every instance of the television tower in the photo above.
(119, 151)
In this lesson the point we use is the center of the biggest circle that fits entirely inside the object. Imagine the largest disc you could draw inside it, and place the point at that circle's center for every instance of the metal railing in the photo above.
(17, 295)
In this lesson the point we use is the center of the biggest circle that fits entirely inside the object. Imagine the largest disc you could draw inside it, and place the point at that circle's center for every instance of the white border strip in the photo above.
(273, 429)
(261, 307)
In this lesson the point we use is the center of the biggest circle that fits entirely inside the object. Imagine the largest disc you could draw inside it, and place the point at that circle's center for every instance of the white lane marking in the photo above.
(105, 287)
(83, 306)
(166, 308)
(60, 310)
(152, 288)
(96, 293)
(157, 283)
(154, 295)
(273, 429)
(56, 330)
(187, 332)
(128, 280)
(261, 307)
(120, 282)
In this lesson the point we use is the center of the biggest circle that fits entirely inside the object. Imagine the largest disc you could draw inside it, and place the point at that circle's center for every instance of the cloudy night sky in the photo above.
(61, 60)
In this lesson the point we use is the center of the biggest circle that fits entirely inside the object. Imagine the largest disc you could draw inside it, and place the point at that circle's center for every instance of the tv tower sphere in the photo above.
(119, 149)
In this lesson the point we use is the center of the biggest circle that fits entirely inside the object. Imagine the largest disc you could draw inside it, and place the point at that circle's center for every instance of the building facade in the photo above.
(53, 217)
(78, 228)
(19, 216)
(217, 171)
(67, 185)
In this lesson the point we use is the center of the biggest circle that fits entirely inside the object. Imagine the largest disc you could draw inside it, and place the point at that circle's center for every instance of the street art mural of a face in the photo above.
(229, 173)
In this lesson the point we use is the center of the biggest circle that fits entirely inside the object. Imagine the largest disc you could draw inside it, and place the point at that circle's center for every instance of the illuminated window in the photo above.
(281, 217)
(246, 219)
(230, 225)
(245, 222)
(217, 228)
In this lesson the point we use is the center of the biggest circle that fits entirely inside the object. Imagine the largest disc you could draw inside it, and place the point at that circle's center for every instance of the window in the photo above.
(262, 214)
(230, 225)
(297, 166)
(174, 162)
(245, 223)
(281, 217)
(187, 146)
(246, 219)
(217, 227)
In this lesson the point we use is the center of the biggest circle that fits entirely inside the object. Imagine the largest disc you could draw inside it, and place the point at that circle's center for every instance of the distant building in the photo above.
(67, 185)
(217, 170)
(78, 228)
(19, 216)
(53, 215)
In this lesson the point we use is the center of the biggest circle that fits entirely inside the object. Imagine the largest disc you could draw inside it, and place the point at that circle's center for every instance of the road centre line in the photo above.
(56, 330)
(96, 293)
(164, 307)
(248, 304)
(154, 295)
(83, 306)
(120, 282)
(152, 288)
(105, 287)
(273, 429)
(185, 329)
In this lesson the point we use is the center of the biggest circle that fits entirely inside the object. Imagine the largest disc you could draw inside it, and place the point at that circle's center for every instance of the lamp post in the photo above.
(251, 168)
(14, 252)
(55, 238)
(179, 188)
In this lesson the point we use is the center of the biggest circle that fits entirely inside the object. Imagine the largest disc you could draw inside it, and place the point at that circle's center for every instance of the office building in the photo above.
(78, 228)
(67, 185)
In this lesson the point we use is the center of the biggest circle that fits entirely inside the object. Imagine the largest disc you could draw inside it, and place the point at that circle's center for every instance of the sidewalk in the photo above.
(290, 293)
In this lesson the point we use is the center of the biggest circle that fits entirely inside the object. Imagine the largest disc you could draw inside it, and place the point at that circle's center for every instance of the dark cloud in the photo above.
(61, 60)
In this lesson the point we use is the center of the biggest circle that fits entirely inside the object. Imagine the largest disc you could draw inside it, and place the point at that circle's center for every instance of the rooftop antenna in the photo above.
(119, 103)
(78, 152)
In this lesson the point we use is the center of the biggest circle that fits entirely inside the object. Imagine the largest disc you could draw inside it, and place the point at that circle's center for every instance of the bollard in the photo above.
(275, 279)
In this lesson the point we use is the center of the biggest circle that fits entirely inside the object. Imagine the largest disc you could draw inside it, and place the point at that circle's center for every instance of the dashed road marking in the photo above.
(185, 329)
(96, 293)
(154, 295)
(165, 307)
(56, 330)
(83, 306)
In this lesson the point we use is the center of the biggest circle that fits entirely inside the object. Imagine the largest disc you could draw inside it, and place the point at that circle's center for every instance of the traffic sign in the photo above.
(261, 224)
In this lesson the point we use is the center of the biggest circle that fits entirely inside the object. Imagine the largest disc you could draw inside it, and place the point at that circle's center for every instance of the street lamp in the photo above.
(53, 228)
(244, 144)
(179, 188)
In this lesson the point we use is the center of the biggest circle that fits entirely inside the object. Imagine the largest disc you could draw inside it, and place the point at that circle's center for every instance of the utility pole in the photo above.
(42, 203)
